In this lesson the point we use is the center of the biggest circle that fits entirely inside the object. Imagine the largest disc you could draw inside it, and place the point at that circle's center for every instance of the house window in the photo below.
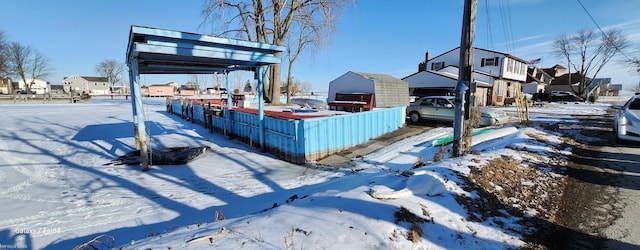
(499, 90)
(493, 61)
(509, 63)
(437, 65)
(517, 71)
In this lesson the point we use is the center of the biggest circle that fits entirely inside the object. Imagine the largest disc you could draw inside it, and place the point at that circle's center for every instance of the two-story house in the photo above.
(37, 86)
(496, 75)
(537, 81)
(87, 84)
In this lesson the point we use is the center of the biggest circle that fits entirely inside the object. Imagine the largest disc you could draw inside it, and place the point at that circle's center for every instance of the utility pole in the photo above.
(462, 132)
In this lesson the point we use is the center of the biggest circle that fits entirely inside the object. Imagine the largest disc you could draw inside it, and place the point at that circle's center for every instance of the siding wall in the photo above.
(298, 141)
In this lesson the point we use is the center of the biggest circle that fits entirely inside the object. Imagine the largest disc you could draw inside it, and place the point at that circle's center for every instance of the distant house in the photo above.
(87, 84)
(556, 71)
(160, 90)
(610, 89)
(37, 86)
(537, 80)
(57, 88)
(562, 81)
(6, 86)
(188, 89)
(604, 87)
(387, 91)
(496, 75)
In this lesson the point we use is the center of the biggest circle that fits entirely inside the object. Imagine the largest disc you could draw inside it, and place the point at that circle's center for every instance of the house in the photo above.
(496, 75)
(570, 82)
(387, 91)
(37, 86)
(87, 84)
(57, 88)
(604, 87)
(429, 82)
(6, 86)
(556, 71)
(188, 89)
(160, 90)
(537, 80)
(120, 90)
(609, 89)
(563, 81)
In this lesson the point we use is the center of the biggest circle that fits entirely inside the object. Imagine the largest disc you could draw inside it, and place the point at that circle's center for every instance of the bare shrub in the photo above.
(415, 231)
(439, 156)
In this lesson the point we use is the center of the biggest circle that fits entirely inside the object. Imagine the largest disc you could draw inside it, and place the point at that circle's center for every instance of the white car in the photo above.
(441, 108)
(627, 120)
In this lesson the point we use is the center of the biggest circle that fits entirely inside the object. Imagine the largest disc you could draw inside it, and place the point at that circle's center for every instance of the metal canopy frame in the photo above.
(161, 51)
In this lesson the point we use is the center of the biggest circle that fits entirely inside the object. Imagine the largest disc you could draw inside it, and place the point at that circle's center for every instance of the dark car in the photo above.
(24, 92)
(557, 96)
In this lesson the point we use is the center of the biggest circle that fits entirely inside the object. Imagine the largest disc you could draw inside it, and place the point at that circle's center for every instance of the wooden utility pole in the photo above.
(462, 132)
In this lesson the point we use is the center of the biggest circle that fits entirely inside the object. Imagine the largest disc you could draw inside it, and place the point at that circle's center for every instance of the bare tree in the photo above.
(291, 85)
(237, 82)
(304, 87)
(3, 56)
(295, 86)
(273, 21)
(112, 70)
(24, 60)
(587, 53)
(634, 63)
(219, 81)
(634, 88)
(306, 39)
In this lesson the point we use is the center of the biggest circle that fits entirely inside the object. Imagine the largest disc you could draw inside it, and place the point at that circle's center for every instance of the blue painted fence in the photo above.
(296, 141)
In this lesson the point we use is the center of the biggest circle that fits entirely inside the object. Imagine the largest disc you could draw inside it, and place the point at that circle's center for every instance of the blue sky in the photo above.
(389, 37)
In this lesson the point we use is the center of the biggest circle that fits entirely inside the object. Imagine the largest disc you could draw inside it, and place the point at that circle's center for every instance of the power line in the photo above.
(489, 34)
(600, 29)
(506, 25)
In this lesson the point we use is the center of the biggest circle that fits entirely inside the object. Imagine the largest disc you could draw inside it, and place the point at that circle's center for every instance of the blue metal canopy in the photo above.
(160, 51)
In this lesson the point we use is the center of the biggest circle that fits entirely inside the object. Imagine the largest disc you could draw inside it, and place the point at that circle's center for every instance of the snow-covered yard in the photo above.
(56, 191)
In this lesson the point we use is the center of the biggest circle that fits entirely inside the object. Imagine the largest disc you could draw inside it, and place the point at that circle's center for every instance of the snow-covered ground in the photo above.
(56, 191)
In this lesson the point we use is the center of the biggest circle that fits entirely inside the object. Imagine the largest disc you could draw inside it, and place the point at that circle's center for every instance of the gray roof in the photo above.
(96, 78)
(389, 91)
(380, 77)
(93, 78)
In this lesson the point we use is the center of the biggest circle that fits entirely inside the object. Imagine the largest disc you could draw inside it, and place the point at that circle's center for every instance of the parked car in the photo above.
(441, 108)
(24, 92)
(627, 120)
(557, 96)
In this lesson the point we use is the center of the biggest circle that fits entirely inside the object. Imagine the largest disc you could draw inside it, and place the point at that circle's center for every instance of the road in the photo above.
(600, 207)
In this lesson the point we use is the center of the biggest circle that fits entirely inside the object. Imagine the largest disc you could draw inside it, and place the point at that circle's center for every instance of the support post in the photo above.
(260, 108)
(227, 112)
(463, 141)
(138, 115)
